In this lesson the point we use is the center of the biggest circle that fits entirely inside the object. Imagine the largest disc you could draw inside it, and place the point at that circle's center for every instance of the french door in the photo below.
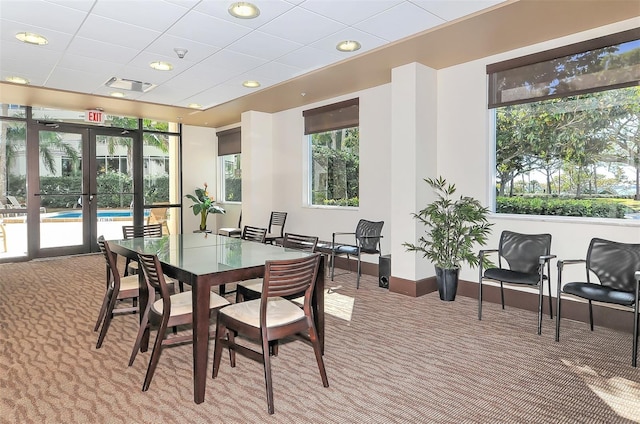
(83, 187)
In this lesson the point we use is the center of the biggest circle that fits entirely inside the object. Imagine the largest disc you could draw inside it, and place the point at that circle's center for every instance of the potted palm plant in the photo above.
(454, 226)
(204, 204)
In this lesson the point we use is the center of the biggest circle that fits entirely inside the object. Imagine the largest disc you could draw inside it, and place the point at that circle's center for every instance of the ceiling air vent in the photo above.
(130, 85)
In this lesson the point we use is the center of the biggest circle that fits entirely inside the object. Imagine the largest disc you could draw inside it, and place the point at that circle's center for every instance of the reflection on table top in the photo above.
(201, 253)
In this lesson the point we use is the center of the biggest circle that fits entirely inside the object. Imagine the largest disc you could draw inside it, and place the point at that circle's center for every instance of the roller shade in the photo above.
(332, 117)
(229, 141)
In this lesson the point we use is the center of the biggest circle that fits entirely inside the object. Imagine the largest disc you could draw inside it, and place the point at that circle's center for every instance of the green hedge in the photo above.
(597, 208)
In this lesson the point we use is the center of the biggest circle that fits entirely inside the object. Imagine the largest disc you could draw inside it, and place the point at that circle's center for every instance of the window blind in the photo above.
(229, 141)
(331, 117)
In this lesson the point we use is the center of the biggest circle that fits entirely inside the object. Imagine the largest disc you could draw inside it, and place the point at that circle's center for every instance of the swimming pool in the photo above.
(103, 215)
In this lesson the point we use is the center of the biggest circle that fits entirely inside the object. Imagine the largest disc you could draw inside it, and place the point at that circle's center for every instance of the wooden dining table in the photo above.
(203, 260)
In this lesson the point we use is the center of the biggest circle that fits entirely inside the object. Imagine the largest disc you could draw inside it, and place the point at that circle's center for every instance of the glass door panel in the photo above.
(62, 189)
(13, 189)
(114, 184)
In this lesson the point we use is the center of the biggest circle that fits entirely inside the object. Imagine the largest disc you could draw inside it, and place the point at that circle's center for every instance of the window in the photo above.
(567, 128)
(230, 180)
(333, 136)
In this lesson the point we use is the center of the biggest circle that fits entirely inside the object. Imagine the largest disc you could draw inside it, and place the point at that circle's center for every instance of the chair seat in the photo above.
(599, 293)
(230, 232)
(181, 303)
(346, 249)
(253, 285)
(513, 277)
(130, 282)
(279, 312)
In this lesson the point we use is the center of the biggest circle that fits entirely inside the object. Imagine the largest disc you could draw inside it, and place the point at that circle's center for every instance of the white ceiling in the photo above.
(91, 41)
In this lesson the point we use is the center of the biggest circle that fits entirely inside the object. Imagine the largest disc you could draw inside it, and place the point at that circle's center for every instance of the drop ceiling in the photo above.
(289, 48)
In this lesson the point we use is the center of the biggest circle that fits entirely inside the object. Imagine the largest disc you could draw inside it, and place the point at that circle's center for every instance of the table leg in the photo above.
(200, 293)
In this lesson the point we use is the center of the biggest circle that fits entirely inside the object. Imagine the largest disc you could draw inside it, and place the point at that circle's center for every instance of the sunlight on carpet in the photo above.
(620, 394)
(338, 305)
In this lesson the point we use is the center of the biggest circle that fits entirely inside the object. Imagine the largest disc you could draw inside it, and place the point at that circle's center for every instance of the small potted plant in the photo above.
(453, 228)
(204, 204)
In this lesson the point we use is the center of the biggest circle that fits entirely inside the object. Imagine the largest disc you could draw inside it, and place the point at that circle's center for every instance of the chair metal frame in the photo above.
(526, 256)
(283, 278)
(368, 235)
(616, 267)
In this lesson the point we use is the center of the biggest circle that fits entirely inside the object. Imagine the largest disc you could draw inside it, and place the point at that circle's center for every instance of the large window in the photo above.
(568, 130)
(333, 136)
(229, 153)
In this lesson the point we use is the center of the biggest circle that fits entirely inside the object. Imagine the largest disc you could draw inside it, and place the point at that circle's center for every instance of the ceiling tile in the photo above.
(451, 10)
(263, 45)
(38, 13)
(309, 58)
(274, 71)
(302, 26)
(152, 14)
(101, 50)
(349, 12)
(269, 10)
(207, 29)
(196, 52)
(58, 41)
(409, 19)
(366, 40)
(119, 33)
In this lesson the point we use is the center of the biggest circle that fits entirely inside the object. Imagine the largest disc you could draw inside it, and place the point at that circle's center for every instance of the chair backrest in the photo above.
(153, 275)
(522, 251)
(149, 230)
(614, 263)
(254, 233)
(368, 235)
(300, 242)
(277, 220)
(287, 278)
(112, 263)
(14, 202)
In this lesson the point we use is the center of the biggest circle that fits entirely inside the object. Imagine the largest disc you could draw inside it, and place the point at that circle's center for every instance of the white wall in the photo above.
(464, 156)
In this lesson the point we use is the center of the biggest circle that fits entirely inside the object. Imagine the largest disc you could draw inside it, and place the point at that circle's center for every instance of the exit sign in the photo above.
(94, 116)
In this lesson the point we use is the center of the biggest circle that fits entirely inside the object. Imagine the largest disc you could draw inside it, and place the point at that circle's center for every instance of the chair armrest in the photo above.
(333, 238)
(637, 275)
(563, 262)
(545, 258)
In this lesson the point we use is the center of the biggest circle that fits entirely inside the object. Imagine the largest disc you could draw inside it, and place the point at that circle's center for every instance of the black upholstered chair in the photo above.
(522, 259)
(271, 318)
(616, 267)
(366, 240)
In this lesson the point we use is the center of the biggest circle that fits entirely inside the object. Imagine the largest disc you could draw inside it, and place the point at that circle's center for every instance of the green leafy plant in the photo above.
(453, 227)
(204, 204)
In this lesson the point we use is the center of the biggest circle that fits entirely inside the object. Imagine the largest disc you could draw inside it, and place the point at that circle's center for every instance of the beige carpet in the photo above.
(389, 358)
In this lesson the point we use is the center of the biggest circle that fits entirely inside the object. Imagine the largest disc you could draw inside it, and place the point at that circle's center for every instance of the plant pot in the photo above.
(447, 280)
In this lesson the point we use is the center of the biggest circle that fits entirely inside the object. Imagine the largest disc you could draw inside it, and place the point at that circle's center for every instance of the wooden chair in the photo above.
(251, 289)
(521, 261)
(132, 231)
(272, 317)
(254, 233)
(118, 289)
(170, 310)
(232, 232)
(616, 267)
(275, 229)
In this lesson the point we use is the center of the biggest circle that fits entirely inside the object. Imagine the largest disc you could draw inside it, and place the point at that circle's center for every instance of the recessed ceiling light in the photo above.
(117, 94)
(194, 105)
(161, 66)
(251, 84)
(17, 80)
(348, 46)
(244, 10)
(32, 38)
